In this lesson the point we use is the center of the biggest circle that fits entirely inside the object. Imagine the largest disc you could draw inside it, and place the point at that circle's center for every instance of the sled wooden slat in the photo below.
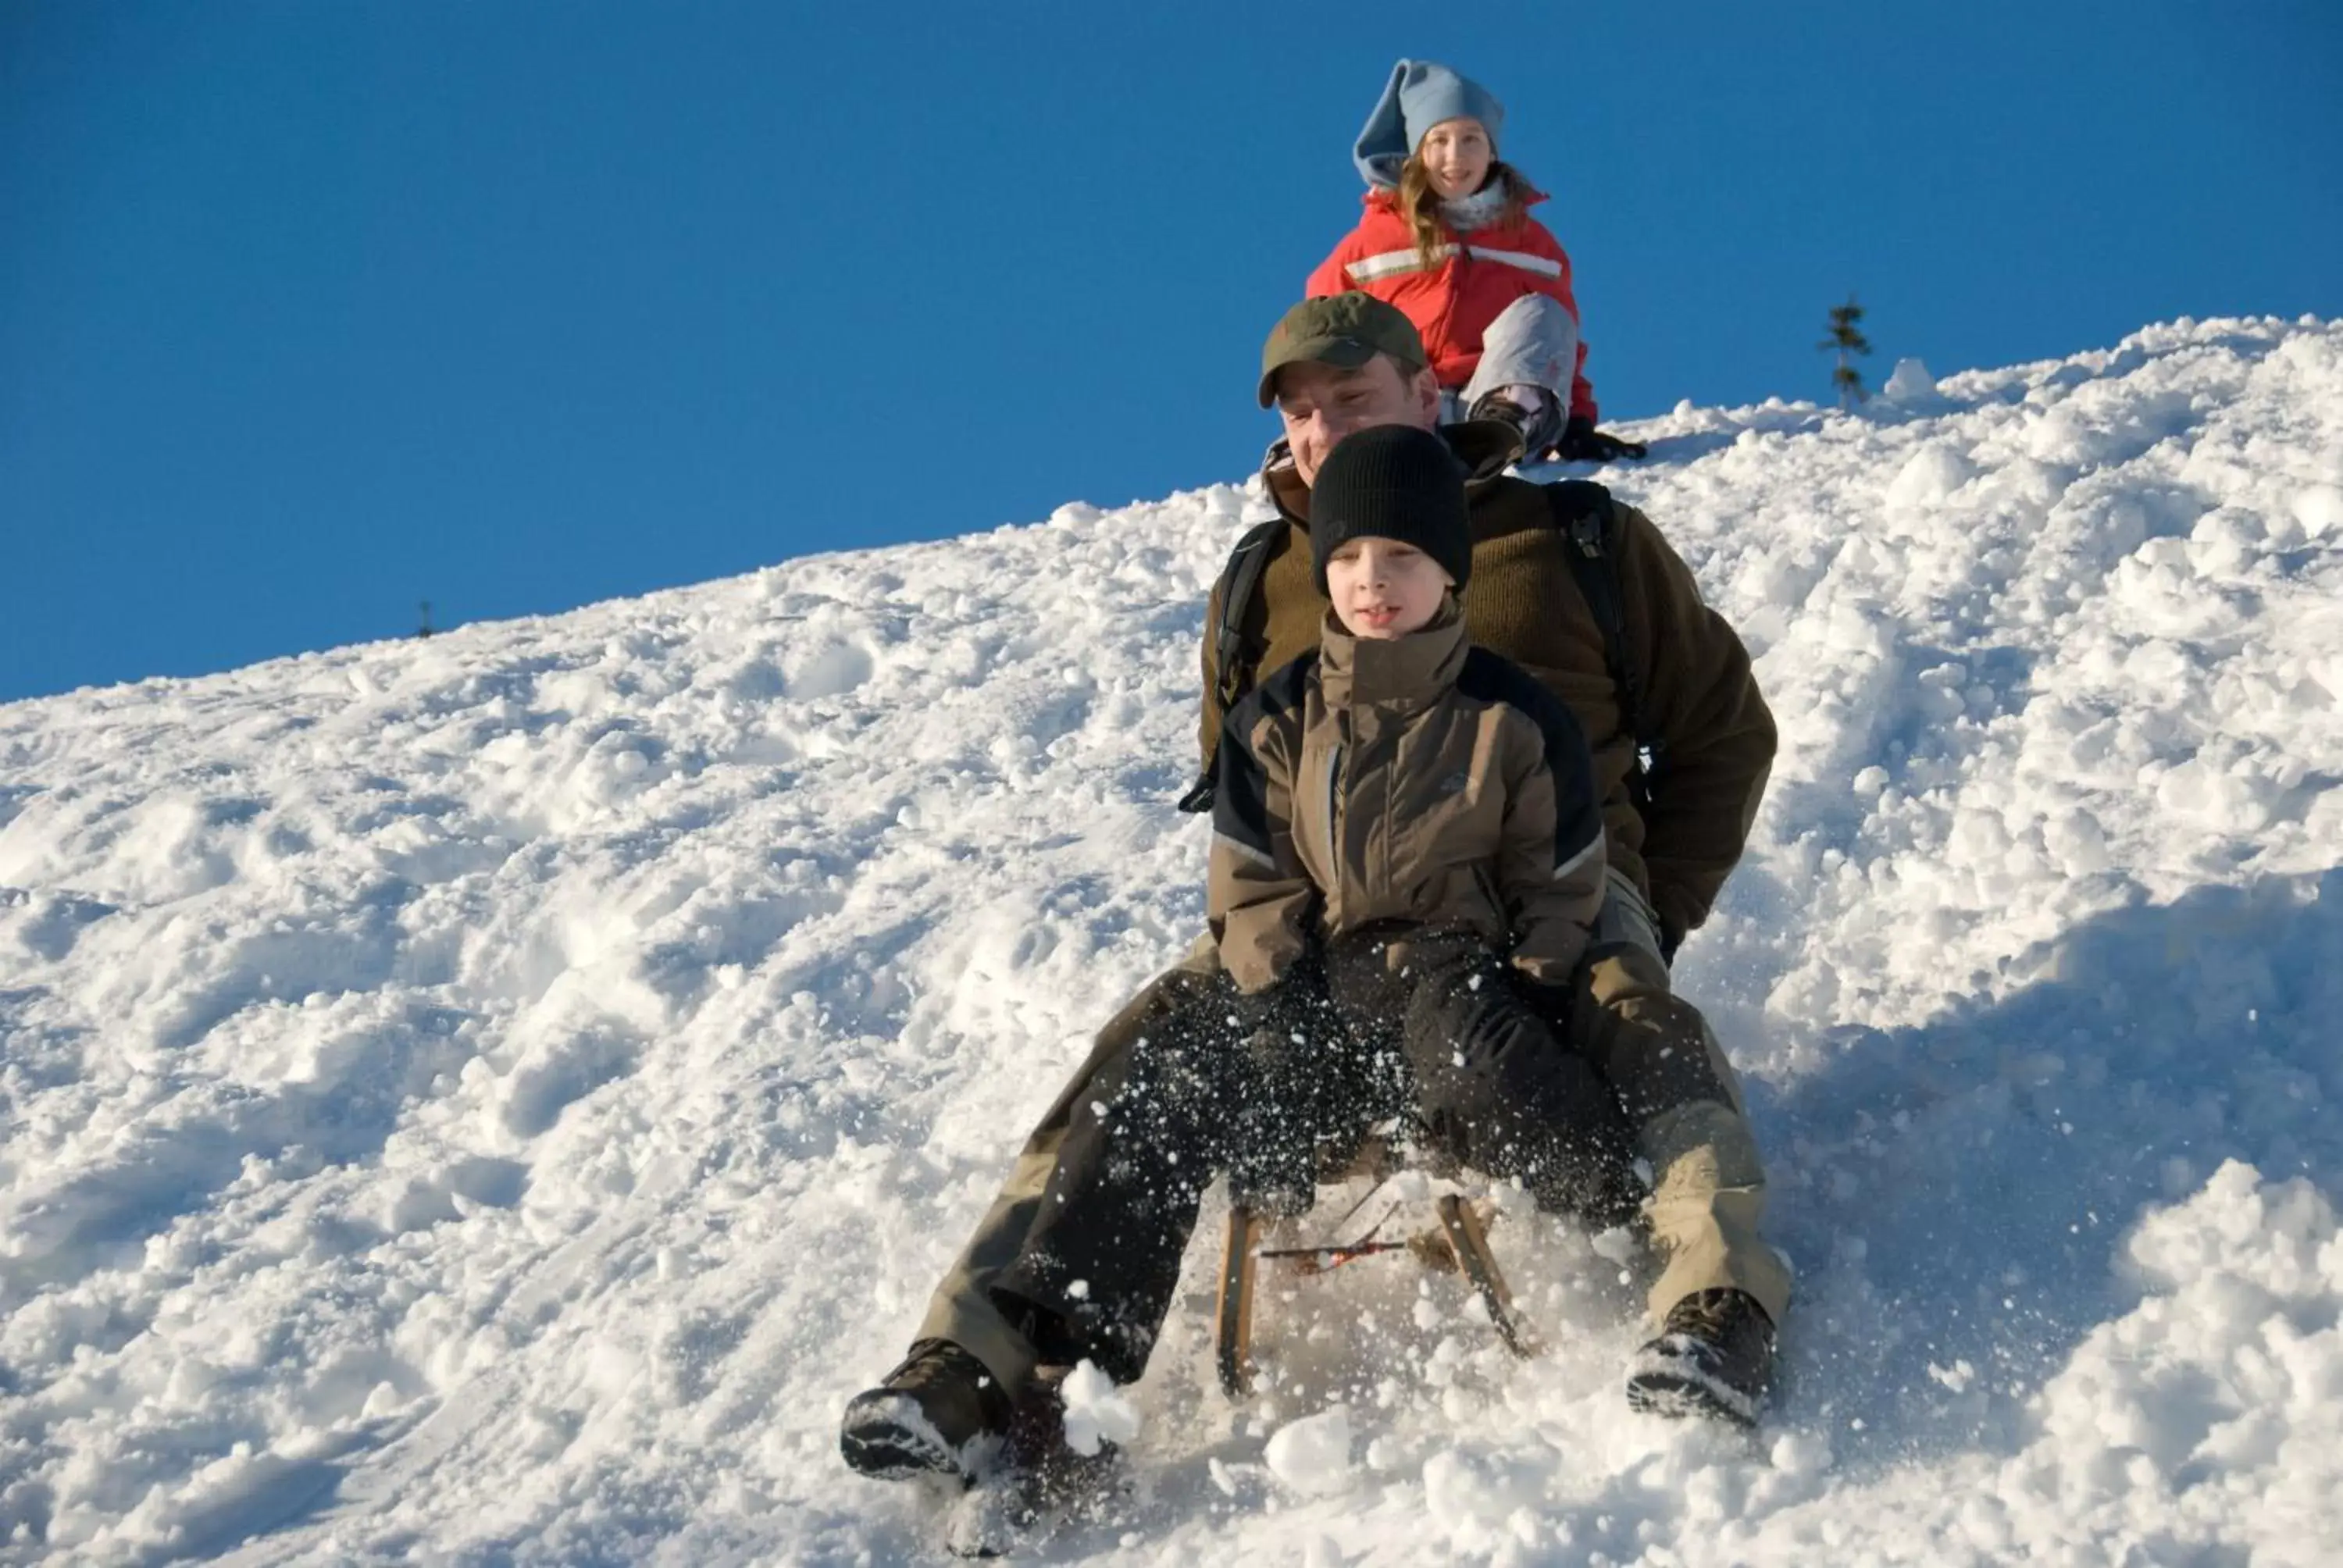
(1233, 1328)
(1479, 1267)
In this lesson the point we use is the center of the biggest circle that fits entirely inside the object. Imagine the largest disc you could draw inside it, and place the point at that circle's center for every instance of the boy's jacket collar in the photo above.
(1411, 671)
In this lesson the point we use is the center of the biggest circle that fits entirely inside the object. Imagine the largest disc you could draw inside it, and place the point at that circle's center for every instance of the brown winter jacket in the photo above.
(1420, 779)
(1522, 602)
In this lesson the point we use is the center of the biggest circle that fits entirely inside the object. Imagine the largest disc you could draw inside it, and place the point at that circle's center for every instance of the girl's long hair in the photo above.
(1419, 204)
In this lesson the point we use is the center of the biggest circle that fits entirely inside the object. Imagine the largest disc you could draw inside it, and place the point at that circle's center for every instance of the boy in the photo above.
(1406, 840)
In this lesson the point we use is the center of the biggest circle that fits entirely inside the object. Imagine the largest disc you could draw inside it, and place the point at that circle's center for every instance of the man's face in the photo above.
(1321, 404)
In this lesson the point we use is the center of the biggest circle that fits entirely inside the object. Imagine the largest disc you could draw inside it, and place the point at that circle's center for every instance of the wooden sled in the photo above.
(1461, 1242)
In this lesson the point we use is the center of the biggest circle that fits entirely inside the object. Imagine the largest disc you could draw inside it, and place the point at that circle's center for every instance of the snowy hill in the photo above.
(493, 1099)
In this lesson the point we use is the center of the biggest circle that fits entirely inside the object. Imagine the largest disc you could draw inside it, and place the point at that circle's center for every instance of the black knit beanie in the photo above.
(1396, 481)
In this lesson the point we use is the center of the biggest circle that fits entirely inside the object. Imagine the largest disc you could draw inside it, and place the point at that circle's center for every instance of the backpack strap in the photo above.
(1588, 519)
(1231, 658)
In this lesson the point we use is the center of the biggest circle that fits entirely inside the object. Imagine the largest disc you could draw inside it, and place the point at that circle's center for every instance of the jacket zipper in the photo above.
(1333, 798)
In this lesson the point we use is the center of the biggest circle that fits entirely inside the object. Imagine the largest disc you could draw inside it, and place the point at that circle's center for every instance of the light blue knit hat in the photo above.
(1419, 94)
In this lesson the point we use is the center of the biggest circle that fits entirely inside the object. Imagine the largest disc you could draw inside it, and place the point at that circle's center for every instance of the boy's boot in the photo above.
(1714, 1356)
(1532, 410)
(939, 1412)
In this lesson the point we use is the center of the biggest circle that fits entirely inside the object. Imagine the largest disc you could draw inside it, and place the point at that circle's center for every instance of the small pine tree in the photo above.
(423, 628)
(1846, 337)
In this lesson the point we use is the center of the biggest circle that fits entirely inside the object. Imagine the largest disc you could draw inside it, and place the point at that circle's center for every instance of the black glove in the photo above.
(1274, 1121)
(1555, 1005)
(1583, 443)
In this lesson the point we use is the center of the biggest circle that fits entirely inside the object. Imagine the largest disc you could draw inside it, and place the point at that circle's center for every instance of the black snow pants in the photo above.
(1448, 1042)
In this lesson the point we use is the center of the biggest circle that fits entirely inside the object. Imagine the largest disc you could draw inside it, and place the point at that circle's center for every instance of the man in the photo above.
(1333, 367)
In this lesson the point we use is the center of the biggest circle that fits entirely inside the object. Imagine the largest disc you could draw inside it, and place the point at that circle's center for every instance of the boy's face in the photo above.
(1382, 588)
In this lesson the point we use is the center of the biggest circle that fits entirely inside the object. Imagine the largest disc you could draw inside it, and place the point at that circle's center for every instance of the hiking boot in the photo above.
(1715, 1356)
(939, 1413)
(1532, 410)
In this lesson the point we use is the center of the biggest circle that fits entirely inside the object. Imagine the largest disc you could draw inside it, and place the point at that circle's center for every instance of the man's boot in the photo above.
(1714, 1356)
(941, 1412)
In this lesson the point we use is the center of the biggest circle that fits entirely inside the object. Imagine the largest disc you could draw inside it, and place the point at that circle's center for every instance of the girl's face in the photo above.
(1456, 155)
(1382, 589)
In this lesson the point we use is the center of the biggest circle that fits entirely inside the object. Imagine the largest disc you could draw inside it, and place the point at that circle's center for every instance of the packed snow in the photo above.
(493, 1099)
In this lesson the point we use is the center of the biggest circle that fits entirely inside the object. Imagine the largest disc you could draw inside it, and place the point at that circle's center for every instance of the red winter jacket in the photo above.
(1453, 303)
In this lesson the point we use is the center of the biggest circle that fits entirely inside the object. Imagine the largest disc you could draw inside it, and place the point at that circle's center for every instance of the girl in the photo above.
(1448, 238)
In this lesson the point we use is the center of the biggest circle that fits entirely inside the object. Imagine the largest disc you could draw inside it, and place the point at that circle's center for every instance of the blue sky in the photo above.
(312, 311)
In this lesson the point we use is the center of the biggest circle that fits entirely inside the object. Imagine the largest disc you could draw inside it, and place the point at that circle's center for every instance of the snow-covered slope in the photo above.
(493, 1099)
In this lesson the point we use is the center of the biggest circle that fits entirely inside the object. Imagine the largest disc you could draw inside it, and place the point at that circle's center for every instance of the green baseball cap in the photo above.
(1343, 329)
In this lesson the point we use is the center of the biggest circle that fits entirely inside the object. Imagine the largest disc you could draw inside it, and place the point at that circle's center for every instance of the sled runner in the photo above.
(1233, 1323)
(1469, 1244)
